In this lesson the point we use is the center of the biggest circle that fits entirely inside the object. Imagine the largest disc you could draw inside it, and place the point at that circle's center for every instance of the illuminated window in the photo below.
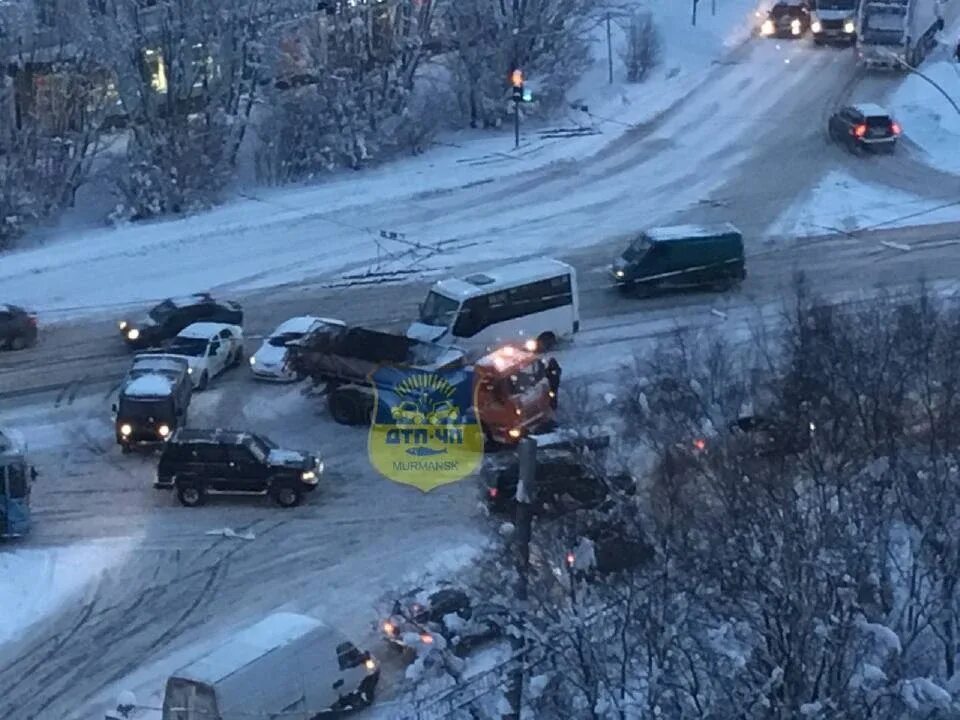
(158, 70)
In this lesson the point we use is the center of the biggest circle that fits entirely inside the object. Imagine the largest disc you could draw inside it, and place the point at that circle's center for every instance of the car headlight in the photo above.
(767, 27)
(795, 26)
(514, 433)
(253, 360)
(164, 430)
(133, 334)
(309, 476)
(123, 324)
(815, 26)
(531, 345)
(189, 371)
(125, 429)
(618, 273)
(849, 27)
(370, 664)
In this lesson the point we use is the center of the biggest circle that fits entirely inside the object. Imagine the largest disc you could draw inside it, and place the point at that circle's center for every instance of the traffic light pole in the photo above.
(526, 493)
(516, 124)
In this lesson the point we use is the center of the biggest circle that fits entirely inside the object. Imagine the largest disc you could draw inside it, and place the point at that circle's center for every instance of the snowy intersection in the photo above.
(696, 160)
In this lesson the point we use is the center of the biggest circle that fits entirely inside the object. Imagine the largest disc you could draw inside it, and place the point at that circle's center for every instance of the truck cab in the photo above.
(512, 394)
(834, 21)
(16, 478)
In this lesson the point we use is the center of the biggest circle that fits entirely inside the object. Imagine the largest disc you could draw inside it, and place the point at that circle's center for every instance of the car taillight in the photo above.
(860, 130)
(895, 128)
(492, 492)
(32, 319)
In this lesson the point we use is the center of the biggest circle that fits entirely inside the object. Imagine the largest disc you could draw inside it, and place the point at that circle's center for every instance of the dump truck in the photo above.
(897, 33)
(511, 389)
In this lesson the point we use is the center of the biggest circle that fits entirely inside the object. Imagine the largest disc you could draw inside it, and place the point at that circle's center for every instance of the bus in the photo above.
(535, 302)
(15, 480)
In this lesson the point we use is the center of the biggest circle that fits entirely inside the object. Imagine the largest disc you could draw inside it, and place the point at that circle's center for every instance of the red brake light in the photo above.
(492, 492)
(700, 443)
(895, 128)
(860, 130)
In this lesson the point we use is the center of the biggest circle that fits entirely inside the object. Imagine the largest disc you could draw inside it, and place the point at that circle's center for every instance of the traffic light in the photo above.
(516, 80)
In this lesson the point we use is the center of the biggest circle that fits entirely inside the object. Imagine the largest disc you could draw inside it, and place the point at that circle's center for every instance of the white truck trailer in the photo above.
(892, 33)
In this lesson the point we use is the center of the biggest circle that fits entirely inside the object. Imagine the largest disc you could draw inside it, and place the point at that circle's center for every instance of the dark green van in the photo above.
(684, 256)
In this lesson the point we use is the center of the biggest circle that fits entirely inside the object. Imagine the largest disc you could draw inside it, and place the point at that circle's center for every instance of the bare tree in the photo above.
(643, 46)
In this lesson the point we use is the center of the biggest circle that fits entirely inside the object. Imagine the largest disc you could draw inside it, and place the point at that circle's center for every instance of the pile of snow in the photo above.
(841, 203)
(36, 583)
(928, 118)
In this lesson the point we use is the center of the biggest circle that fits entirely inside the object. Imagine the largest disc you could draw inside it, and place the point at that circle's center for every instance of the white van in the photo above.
(286, 665)
(535, 301)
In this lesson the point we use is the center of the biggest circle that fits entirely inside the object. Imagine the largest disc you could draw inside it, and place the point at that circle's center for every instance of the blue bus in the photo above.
(16, 478)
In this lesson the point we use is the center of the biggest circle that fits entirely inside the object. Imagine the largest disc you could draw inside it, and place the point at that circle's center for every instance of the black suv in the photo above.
(201, 462)
(18, 328)
(171, 316)
(864, 126)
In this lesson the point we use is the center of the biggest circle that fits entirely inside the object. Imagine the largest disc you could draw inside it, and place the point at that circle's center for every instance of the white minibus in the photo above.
(534, 301)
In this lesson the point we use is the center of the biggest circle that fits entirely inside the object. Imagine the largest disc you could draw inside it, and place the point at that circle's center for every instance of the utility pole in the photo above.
(526, 494)
(693, 18)
(713, 7)
(609, 51)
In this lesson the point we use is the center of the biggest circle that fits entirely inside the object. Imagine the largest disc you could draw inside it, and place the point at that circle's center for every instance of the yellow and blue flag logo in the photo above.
(424, 429)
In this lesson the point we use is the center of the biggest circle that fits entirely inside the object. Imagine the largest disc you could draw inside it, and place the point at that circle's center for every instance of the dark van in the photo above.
(150, 407)
(684, 256)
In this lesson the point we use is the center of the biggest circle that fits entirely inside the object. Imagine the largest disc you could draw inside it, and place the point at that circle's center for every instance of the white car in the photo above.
(209, 349)
(270, 361)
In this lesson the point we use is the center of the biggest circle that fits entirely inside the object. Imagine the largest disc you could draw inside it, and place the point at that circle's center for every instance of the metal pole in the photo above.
(526, 493)
(693, 18)
(609, 52)
(713, 7)
(516, 124)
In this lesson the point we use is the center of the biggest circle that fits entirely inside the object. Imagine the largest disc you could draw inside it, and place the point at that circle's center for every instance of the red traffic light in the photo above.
(516, 78)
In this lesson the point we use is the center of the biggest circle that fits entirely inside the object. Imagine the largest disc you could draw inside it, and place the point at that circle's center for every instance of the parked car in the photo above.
(18, 328)
(271, 361)
(864, 126)
(786, 19)
(285, 666)
(198, 463)
(420, 614)
(761, 435)
(682, 257)
(209, 349)
(172, 315)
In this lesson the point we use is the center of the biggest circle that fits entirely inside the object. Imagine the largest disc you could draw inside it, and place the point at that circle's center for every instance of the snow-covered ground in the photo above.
(840, 202)
(281, 235)
(928, 118)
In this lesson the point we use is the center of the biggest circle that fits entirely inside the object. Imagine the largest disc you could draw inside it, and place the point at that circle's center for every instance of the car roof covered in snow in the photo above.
(870, 110)
(250, 645)
(218, 435)
(189, 300)
(150, 385)
(302, 324)
(503, 277)
(203, 330)
(685, 232)
(159, 362)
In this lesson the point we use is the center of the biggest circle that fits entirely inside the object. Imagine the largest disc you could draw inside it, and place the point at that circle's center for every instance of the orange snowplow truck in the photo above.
(513, 394)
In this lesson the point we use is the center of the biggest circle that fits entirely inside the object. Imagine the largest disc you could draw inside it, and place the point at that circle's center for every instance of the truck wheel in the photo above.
(287, 496)
(341, 408)
(191, 495)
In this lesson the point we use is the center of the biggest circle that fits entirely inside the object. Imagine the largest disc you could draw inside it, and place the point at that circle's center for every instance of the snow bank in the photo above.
(928, 118)
(842, 203)
(36, 583)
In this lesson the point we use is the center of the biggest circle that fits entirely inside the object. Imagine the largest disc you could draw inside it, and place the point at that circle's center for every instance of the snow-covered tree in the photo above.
(487, 39)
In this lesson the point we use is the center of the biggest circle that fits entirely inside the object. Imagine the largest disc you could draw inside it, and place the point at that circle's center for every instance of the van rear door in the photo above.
(189, 700)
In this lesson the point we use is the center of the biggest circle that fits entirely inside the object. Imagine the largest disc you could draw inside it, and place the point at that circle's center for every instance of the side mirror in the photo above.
(114, 407)
(33, 473)
(338, 684)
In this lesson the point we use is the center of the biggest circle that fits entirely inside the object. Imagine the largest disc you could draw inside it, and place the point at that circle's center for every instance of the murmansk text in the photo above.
(426, 466)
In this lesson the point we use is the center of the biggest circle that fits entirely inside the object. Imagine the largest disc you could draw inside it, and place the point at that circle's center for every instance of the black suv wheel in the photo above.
(191, 495)
(287, 496)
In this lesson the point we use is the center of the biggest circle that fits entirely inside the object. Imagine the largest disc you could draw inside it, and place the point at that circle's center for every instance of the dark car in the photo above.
(864, 126)
(198, 463)
(760, 435)
(564, 480)
(18, 328)
(172, 315)
(788, 19)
